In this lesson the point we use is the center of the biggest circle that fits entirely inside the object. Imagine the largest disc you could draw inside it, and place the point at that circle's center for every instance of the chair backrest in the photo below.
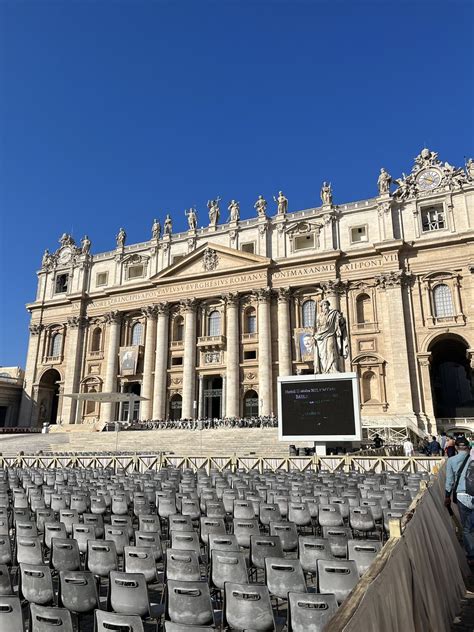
(179, 627)
(298, 512)
(151, 540)
(11, 616)
(68, 517)
(150, 523)
(269, 512)
(177, 522)
(140, 559)
(166, 505)
(128, 594)
(82, 533)
(5, 581)
(243, 510)
(363, 552)
(113, 622)
(244, 528)
(283, 575)
(262, 546)
(288, 534)
(28, 551)
(65, 555)
(247, 606)
(97, 520)
(119, 504)
(53, 530)
(189, 603)
(26, 528)
(78, 591)
(312, 549)
(330, 516)
(337, 577)
(36, 583)
(361, 519)
(5, 550)
(228, 566)
(47, 619)
(182, 565)
(221, 542)
(185, 540)
(211, 525)
(122, 522)
(118, 535)
(101, 557)
(309, 611)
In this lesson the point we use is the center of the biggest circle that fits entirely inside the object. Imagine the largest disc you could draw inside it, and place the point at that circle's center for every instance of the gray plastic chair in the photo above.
(247, 607)
(337, 577)
(309, 611)
(363, 552)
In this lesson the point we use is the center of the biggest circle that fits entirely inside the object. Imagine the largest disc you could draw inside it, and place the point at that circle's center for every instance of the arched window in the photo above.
(250, 404)
(96, 339)
(251, 321)
(214, 324)
(369, 387)
(443, 302)
(137, 333)
(178, 333)
(56, 344)
(308, 310)
(364, 309)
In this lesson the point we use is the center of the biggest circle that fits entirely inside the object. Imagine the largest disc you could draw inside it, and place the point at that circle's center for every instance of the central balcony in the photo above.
(211, 341)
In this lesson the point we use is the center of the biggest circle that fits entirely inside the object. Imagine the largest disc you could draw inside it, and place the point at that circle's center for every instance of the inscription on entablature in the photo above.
(303, 272)
(369, 264)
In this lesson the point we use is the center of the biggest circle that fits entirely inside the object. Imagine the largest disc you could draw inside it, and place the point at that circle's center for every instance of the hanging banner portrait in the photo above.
(305, 345)
(128, 360)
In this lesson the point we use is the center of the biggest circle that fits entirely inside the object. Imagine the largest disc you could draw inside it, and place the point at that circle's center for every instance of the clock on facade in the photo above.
(428, 179)
(64, 256)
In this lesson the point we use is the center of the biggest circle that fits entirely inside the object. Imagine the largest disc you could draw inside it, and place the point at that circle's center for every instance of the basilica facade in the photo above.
(201, 323)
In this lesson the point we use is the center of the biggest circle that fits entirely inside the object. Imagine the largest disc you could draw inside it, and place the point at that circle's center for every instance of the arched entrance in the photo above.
(250, 404)
(451, 378)
(212, 396)
(48, 397)
(176, 405)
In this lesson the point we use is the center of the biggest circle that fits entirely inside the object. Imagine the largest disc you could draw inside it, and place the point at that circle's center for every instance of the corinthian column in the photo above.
(284, 348)
(233, 365)
(148, 361)
(264, 352)
(189, 363)
(113, 320)
(75, 326)
(161, 362)
(28, 394)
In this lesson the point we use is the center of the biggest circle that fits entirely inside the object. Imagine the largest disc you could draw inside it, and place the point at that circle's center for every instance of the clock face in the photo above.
(428, 179)
(65, 256)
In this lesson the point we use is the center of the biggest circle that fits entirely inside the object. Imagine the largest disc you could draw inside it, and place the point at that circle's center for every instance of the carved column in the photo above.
(223, 399)
(233, 351)
(332, 291)
(148, 362)
(424, 360)
(264, 352)
(384, 212)
(161, 362)
(113, 320)
(201, 397)
(284, 340)
(28, 394)
(74, 337)
(189, 363)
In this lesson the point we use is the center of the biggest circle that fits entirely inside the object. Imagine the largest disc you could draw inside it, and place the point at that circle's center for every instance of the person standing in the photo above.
(450, 448)
(456, 469)
(434, 447)
(408, 447)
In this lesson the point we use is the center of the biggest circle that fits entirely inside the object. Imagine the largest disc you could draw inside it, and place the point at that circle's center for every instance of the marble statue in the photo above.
(121, 237)
(330, 339)
(234, 209)
(155, 230)
(261, 206)
(66, 240)
(214, 211)
(384, 181)
(282, 202)
(470, 169)
(192, 218)
(46, 260)
(85, 245)
(326, 193)
(168, 225)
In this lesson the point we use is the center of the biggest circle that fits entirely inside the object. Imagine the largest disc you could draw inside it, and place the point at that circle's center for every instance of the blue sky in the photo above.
(113, 113)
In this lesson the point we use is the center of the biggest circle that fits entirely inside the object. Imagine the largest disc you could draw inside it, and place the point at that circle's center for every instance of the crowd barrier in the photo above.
(416, 582)
(146, 462)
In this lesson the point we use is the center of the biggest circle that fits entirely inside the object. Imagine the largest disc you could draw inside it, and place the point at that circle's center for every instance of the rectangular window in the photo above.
(304, 242)
(62, 281)
(101, 278)
(177, 258)
(135, 272)
(358, 234)
(250, 355)
(432, 218)
(249, 247)
(178, 361)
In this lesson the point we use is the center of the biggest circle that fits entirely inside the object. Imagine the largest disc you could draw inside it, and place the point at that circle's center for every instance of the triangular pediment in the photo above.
(211, 260)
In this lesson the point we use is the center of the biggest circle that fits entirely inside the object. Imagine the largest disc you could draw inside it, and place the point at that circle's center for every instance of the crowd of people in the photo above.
(262, 421)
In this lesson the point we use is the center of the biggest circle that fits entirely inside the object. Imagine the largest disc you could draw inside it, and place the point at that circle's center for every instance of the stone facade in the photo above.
(11, 389)
(202, 322)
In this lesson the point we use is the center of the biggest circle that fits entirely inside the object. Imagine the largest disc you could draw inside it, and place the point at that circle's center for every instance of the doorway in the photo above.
(250, 404)
(213, 397)
(48, 397)
(135, 388)
(176, 406)
(451, 378)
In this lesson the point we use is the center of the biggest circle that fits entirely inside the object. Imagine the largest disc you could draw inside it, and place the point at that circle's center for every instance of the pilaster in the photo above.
(284, 344)
(113, 320)
(161, 362)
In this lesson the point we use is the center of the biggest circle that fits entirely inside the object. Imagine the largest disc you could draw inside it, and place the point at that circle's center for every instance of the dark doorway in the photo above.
(136, 389)
(250, 404)
(213, 397)
(451, 378)
(48, 397)
(176, 406)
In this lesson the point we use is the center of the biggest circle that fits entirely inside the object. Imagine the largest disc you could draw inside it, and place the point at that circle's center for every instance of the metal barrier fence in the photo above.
(152, 462)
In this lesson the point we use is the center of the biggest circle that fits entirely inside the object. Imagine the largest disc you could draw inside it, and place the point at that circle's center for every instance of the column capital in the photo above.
(74, 322)
(189, 304)
(424, 359)
(284, 294)
(394, 278)
(36, 328)
(263, 294)
(149, 311)
(335, 286)
(113, 317)
(162, 308)
(231, 299)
